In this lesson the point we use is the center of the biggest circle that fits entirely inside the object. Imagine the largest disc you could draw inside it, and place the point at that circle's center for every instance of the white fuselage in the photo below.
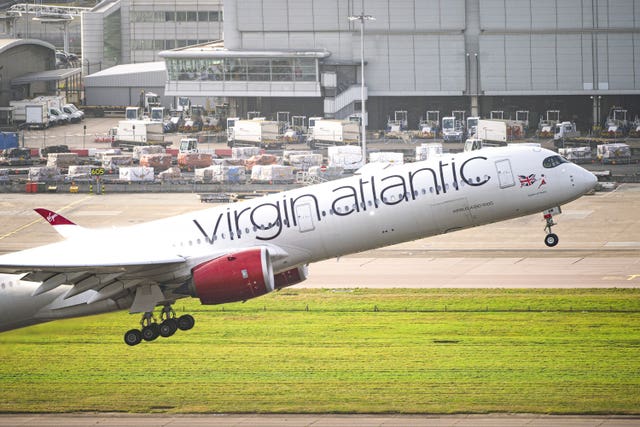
(309, 224)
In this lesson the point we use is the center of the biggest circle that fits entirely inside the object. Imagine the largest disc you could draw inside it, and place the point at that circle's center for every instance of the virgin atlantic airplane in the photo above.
(243, 250)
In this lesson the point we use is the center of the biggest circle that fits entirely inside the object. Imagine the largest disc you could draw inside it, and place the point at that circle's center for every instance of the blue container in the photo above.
(8, 140)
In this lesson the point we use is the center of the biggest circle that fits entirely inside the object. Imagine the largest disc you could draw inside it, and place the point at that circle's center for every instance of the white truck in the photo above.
(37, 116)
(73, 112)
(131, 133)
(334, 132)
(564, 130)
(452, 129)
(488, 132)
(260, 133)
(472, 125)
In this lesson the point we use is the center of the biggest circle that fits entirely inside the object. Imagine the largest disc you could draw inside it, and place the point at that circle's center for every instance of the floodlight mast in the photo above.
(362, 17)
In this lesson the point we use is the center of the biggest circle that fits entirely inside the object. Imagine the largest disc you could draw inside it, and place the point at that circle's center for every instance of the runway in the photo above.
(599, 243)
(293, 420)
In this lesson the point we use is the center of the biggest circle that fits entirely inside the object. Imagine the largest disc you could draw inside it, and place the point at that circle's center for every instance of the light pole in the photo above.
(362, 17)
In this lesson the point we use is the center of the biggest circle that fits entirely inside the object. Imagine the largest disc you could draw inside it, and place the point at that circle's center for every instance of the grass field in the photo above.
(360, 351)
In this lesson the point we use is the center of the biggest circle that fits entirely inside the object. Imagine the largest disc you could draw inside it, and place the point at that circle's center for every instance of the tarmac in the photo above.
(599, 243)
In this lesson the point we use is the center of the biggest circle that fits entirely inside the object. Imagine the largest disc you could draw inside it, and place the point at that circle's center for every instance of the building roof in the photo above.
(216, 49)
(6, 44)
(44, 76)
(125, 69)
(144, 74)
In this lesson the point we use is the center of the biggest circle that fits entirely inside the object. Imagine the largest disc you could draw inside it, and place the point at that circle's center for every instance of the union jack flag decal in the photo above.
(526, 181)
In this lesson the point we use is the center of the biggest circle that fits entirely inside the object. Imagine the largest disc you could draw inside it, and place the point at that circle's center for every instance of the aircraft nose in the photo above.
(584, 181)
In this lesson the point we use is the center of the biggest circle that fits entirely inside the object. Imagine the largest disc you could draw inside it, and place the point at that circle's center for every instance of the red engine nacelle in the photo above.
(235, 277)
(291, 277)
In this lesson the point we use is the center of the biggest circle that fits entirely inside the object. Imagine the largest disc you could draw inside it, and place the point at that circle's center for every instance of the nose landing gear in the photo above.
(551, 239)
(152, 330)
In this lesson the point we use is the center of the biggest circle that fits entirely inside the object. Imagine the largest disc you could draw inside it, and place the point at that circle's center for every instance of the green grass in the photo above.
(362, 351)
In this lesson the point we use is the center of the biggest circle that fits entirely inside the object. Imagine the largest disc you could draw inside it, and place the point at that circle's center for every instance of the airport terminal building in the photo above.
(577, 56)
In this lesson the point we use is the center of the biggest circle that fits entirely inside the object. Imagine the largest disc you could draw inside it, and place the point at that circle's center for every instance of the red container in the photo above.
(32, 187)
(80, 152)
(172, 151)
(35, 152)
(223, 152)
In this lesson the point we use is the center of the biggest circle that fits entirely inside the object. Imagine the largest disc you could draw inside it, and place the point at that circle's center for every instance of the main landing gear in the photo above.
(551, 239)
(152, 330)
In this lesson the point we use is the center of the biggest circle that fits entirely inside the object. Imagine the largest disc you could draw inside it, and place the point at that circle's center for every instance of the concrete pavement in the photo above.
(599, 243)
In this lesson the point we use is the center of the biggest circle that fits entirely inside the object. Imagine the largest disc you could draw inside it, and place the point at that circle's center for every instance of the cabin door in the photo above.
(505, 175)
(304, 217)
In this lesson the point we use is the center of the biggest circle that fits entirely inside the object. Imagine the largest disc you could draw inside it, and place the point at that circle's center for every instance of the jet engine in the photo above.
(235, 277)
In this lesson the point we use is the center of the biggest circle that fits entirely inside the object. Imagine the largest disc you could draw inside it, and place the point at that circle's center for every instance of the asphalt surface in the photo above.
(599, 243)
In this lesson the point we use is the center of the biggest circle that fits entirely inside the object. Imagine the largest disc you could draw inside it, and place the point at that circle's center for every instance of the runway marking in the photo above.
(622, 244)
(36, 221)
(368, 262)
(633, 276)
(98, 213)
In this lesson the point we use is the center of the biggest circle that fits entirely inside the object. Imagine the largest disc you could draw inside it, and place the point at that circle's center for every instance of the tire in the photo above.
(168, 328)
(551, 240)
(133, 337)
(151, 332)
(186, 322)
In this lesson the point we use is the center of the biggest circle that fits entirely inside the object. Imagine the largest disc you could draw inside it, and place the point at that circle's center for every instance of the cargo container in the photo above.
(348, 158)
(131, 133)
(259, 133)
(8, 140)
(334, 132)
(614, 153)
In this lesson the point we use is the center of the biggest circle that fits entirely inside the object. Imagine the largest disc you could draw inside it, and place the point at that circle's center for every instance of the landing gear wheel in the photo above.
(168, 327)
(151, 332)
(551, 240)
(186, 322)
(133, 337)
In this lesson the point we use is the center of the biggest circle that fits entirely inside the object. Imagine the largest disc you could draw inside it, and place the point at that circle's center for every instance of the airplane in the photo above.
(243, 250)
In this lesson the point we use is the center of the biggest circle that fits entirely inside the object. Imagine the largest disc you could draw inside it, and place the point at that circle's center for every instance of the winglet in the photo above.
(53, 218)
(61, 224)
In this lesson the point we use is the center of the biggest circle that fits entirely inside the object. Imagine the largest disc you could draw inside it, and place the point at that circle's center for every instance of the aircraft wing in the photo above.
(94, 268)
(100, 267)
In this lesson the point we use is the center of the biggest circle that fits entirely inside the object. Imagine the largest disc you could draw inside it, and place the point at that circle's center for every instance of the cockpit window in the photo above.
(553, 161)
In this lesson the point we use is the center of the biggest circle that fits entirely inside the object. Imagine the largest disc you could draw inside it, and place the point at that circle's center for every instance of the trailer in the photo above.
(429, 127)
(616, 125)
(577, 154)
(614, 153)
(132, 133)
(260, 133)
(334, 132)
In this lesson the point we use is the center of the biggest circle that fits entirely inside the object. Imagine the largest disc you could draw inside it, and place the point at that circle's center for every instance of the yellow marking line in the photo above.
(64, 208)
(633, 276)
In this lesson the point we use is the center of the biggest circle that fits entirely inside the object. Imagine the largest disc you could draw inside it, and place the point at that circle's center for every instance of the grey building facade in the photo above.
(473, 55)
(132, 31)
